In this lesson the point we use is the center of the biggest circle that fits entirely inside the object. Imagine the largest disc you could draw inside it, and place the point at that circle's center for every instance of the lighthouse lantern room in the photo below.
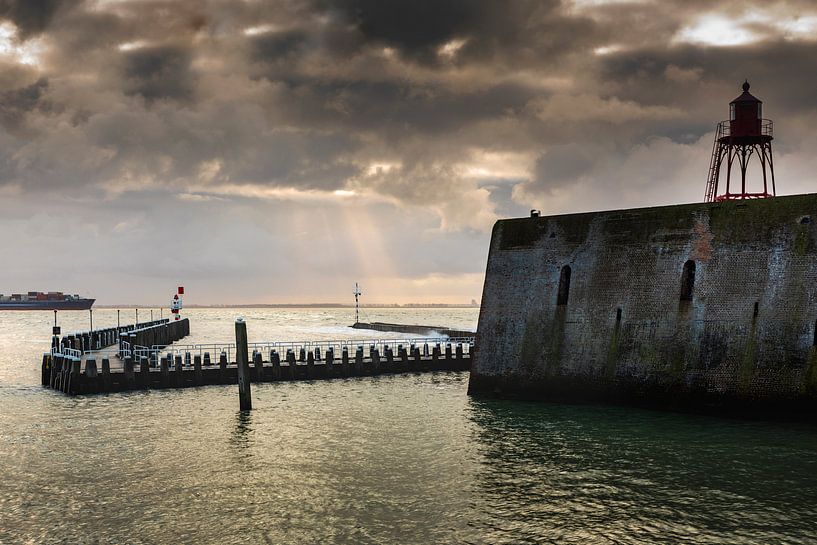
(744, 135)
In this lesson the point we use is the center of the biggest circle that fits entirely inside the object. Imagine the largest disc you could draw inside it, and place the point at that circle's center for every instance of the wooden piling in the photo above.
(389, 367)
(179, 371)
(90, 368)
(91, 378)
(275, 360)
(46, 369)
(292, 365)
(144, 372)
(197, 373)
(329, 358)
(242, 360)
(258, 366)
(74, 382)
(310, 365)
(129, 376)
(164, 375)
(106, 375)
(358, 370)
(222, 366)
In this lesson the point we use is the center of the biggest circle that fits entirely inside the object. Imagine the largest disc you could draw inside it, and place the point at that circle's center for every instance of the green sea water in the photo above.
(395, 459)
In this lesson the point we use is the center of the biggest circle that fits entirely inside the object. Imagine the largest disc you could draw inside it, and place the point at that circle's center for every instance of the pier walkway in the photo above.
(139, 367)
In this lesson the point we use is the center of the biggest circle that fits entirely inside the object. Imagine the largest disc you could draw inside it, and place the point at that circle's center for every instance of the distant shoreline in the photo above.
(300, 305)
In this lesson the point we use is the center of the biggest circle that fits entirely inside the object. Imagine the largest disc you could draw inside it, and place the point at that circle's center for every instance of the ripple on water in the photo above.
(403, 459)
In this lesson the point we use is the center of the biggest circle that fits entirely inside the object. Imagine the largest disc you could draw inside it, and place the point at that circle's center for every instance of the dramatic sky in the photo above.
(279, 151)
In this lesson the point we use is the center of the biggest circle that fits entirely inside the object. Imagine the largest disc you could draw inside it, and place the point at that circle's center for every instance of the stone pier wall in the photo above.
(709, 306)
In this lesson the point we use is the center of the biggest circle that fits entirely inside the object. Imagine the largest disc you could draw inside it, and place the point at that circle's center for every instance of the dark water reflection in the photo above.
(404, 459)
(610, 475)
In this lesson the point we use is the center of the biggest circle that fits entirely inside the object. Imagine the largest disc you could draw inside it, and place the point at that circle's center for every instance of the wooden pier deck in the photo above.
(196, 365)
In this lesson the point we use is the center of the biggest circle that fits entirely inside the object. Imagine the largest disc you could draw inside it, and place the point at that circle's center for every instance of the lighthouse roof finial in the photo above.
(746, 86)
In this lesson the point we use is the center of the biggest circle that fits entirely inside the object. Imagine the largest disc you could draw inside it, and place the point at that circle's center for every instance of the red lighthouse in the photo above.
(743, 135)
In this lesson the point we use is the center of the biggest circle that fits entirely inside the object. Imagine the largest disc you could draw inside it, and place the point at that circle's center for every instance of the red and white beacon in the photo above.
(176, 304)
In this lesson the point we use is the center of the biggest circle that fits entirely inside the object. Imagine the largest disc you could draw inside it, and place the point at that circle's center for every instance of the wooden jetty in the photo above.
(178, 366)
(98, 339)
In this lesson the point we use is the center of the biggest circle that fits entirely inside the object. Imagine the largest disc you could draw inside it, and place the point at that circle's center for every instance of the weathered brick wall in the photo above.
(711, 350)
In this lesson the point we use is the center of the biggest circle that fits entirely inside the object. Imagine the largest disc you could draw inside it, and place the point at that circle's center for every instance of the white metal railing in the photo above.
(69, 352)
(215, 349)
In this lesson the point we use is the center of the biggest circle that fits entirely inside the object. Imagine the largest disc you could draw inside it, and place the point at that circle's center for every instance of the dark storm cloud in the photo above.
(271, 47)
(516, 31)
(16, 104)
(777, 70)
(159, 73)
(33, 16)
(315, 94)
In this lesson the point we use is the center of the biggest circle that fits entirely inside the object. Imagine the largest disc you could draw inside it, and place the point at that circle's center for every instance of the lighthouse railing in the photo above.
(766, 128)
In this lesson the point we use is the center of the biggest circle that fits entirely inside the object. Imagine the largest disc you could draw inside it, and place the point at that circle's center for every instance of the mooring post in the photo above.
(389, 358)
(222, 365)
(330, 359)
(66, 373)
(242, 360)
(129, 375)
(144, 372)
(275, 360)
(292, 364)
(164, 377)
(90, 368)
(177, 360)
(258, 366)
(91, 379)
(106, 375)
(344, 359)
(56, 365)
(197, 373)
(46, 369)
(310, 365)
(74, 386)
(359, 361)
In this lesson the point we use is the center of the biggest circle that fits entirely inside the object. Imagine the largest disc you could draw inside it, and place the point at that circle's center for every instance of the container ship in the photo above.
(36, 300)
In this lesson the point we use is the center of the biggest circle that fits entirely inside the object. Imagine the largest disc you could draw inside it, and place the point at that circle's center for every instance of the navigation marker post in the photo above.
(357, 294)
(242, 362)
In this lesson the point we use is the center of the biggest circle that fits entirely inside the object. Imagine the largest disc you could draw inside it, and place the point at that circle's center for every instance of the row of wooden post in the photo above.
(66, 374)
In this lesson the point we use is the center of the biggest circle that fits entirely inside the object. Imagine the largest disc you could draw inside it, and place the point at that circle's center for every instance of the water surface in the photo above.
(396, 459)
